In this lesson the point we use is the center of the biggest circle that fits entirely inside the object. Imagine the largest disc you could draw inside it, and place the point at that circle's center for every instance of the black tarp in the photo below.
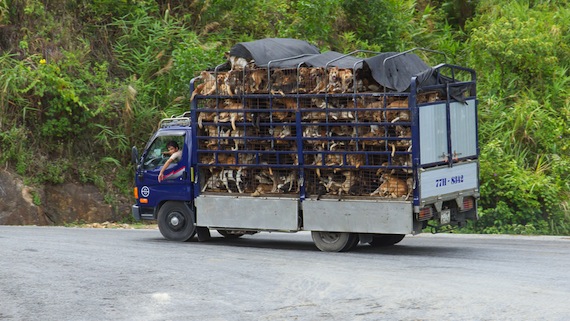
(326, 59)
(394, 71)
(265, 50)
(391, 70)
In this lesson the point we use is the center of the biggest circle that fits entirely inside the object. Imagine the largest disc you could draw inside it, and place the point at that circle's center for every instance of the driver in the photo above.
(175, 155)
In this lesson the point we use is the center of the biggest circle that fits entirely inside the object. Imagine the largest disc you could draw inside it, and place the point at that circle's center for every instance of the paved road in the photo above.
(49, 273)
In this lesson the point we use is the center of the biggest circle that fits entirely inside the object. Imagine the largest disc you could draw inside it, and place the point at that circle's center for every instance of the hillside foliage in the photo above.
(83, 81)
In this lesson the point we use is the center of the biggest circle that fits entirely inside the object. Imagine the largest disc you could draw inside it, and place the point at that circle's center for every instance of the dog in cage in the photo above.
(283, 81)
(391, 187)
(207, 87)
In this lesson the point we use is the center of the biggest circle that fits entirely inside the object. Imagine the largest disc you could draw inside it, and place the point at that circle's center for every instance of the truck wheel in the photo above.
(176, 221)
(386, 239)
(334, 241)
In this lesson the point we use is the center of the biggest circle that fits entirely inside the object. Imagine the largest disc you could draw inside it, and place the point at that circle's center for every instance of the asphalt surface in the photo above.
(56, 273)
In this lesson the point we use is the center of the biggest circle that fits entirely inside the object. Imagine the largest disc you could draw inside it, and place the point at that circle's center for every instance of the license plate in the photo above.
(445, 217)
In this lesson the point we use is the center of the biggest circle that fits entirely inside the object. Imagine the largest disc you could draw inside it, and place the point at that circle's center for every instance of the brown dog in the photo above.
(232, 83)
(231, 113)
(284, 108)
(334, 84)
(283, 81)
(207, 87)
(318, 80)
(398, 115)
(355, 160)
(391, 186)
(377, 132)
(304, 79)
(256, 80)
(346, 79)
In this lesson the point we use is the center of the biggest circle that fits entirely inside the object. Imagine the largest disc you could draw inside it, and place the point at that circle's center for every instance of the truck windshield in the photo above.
(157, 153)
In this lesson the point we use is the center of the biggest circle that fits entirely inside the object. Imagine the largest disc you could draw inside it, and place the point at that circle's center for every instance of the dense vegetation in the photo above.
(82, 81)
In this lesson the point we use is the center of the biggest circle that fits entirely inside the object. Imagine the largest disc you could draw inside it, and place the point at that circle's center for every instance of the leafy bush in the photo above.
(522, 62)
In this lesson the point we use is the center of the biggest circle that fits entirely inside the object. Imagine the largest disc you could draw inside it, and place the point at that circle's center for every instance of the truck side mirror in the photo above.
(135, 155)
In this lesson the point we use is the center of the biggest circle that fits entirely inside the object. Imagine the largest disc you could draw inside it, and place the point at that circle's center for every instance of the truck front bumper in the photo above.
(136, 212)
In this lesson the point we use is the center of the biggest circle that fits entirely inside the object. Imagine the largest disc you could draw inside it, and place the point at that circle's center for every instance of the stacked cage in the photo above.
(315, 132)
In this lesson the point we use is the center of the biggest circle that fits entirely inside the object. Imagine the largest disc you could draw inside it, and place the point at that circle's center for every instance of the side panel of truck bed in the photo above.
(392, 217)
(247, 212)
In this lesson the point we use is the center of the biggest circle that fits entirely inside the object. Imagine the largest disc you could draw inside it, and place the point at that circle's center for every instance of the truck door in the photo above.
(176, 184)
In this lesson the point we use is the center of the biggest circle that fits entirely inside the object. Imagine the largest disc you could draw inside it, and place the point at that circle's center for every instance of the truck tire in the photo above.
(334, 241)
(176, 221)
(386, 239)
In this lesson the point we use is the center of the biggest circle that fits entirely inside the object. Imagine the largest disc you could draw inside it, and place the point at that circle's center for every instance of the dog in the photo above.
(339, 112)
(429, 97)
(256, 80)
(410, 184)
(340, 131)
(304, 79)
(287, 182)
(319, 79)
(213, 134)
(231, 178)
(315, 135)
(334, 84)
(266, 177)
(237, 62)
(356, 160)
(284, 108)
(316, 115)
(400, 114)
(262, 189)
(334, 158)
(213, 182)
(280, 132)
(346, 80)
(392, 187)
(365, 82)
(404, 160)
(207, 87)
(405, 133)
(372, 138)
(337, 184)
(231, 113)
(233, 82)
(283, 81)
(205, 116)
(238, 135)
(372, 111)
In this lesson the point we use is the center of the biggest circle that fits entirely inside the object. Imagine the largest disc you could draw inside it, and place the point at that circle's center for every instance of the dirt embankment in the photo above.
(53, 204)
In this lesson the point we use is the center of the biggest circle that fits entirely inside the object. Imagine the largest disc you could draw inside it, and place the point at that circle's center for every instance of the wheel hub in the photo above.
(175, 221)
(330, 237)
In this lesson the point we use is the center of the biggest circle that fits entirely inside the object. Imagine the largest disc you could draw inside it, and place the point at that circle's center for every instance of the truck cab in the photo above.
(176, 188)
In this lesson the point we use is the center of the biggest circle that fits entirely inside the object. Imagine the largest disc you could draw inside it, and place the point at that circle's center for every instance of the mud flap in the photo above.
(203, 233)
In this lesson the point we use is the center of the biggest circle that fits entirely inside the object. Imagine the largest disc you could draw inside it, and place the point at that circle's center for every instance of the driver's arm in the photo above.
(161, 175)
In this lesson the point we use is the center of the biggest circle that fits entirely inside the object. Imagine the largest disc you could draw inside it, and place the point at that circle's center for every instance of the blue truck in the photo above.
(356, 148)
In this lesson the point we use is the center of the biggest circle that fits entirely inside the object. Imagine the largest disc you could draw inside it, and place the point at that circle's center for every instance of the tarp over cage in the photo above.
(262, 51)
(395, 71)
(391, 70)
(326, 59)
